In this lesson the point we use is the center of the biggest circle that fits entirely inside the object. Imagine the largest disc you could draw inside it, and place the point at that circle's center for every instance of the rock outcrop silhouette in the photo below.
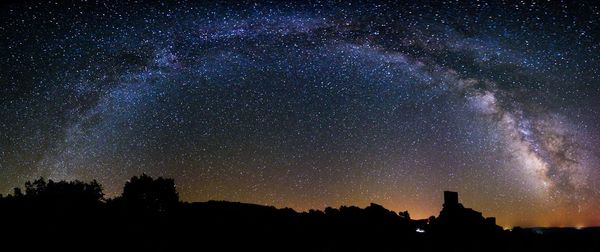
(461, 227)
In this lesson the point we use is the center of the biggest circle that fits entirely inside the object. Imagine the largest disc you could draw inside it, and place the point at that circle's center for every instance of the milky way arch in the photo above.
(306, 105)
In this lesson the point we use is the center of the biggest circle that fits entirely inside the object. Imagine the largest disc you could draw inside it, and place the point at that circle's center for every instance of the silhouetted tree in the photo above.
(36, 187)
(150, 194)
(17, 192)
(62, 195)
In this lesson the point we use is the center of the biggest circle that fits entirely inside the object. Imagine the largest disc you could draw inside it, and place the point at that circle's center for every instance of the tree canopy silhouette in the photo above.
(61, 195)
(150, 194)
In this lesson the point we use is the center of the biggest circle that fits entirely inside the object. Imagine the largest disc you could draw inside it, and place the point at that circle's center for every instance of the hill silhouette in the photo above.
(149, 216)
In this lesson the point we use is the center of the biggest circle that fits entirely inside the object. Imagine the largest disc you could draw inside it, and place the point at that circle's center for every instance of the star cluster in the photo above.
(313, 104)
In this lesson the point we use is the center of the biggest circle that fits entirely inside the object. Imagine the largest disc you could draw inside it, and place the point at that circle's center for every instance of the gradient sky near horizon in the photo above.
(313, 104)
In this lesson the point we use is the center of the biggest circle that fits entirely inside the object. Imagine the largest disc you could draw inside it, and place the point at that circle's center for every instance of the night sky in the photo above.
(309, 105)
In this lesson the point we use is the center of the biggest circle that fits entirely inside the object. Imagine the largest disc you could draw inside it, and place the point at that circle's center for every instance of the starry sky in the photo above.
(312, 104)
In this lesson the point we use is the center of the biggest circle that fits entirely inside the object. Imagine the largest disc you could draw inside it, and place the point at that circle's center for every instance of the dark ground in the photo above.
(148, 216)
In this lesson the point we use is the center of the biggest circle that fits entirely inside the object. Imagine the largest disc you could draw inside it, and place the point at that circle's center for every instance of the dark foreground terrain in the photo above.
(148, 216)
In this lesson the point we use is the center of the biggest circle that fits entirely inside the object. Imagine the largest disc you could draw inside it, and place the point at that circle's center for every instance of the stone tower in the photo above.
(450, 199)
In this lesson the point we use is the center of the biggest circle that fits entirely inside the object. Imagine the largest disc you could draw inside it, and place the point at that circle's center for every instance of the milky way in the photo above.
(311, 105)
